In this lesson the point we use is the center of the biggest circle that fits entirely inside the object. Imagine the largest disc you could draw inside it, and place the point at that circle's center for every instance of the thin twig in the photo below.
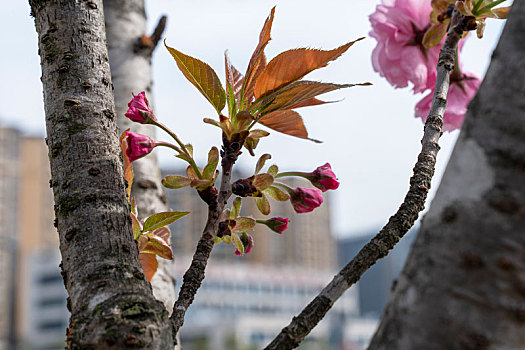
(194, 276)
(399, 223)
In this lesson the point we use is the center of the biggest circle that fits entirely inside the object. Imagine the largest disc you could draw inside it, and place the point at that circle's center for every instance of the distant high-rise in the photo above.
(9, 155)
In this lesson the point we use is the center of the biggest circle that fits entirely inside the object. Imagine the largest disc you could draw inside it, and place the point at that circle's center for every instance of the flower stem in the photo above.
(183, 149)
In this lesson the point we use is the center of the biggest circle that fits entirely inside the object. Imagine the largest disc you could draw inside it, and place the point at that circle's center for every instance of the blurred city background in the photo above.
(370, 138)
(243, 302)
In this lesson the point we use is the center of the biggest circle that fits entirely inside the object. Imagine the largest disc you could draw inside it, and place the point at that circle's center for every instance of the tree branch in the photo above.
(399, 224)
(194, 276)
(148, 44)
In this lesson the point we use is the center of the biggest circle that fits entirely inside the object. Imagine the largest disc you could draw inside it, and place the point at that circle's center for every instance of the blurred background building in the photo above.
(244, 301)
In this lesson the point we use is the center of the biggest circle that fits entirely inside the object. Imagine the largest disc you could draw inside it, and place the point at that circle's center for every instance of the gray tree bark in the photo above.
(463, 286)
(111, 304)
(130, 61)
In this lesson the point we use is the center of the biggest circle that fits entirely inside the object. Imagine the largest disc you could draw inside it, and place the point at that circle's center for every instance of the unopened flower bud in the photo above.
(304, 200)
(278, 225)
(139, 110)
(138, 146)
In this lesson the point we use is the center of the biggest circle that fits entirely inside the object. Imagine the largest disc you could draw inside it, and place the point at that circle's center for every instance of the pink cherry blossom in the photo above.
(399, 26)
(304, 200)
(138, 146)
(139, 110)
(460, 93)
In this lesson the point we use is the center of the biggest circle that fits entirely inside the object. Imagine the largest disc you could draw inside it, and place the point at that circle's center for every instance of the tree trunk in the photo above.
(463, 286)
(130, 61)
(112, 306)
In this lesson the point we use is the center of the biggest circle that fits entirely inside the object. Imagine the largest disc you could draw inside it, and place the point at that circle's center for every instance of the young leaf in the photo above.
(292, 65)
(201, 184)
(213, 160)
(233, 77)
(258, 60)
(149, 265)
(163, 233)
(190, 172)
(263, 205)
(243, 224)
(128, 171)
(227, 239)
(434, 34)
(202, 76)
(217, 240)
(149, 243)
(300, 91)
(189, 147)
(277, 194)
(261, 161)
(258, 133)
(237, 242)
(273, 170)
(136, 226)
(158, 220)
(263, 181)
(236, 208)
(286, 121)
(309, 102)
(175, 181)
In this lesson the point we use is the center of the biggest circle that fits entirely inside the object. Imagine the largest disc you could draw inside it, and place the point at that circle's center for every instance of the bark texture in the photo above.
(463, 286)
(111, 304)
(398, 224)
(130, 52)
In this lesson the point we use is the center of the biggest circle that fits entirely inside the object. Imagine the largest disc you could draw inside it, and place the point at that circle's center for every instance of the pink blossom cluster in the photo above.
(400, 57)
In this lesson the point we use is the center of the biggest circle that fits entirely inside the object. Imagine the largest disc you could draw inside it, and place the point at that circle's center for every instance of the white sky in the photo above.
(371, 138)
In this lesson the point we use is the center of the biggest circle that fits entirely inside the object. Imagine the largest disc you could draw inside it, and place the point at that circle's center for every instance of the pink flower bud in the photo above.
(139, 110)
(459, 95)
(278, 225)
(247, 242)
(324, 178)
(304, 200)
(138, 146)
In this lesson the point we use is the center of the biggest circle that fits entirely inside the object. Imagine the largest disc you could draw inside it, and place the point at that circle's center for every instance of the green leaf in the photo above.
(151, 244)
(189, 148)
(263, 181)
(212, 122)
(263, 205)
(261, 161)
(258, 133)
(136, 226)
(273, 170)
(217, 240)
(201, 184)
(237, 242)
(184, 157)
(202, 76)
(162, 219)
(277, 194)
(243, 224)
(213, 160)
(227, 239)
(236, 208)
(175, 181)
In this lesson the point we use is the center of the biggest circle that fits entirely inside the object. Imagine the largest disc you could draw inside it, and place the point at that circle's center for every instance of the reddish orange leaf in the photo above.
(300, 91)
(501, 12)
(233, 77)
(149, 265)
(258, 60)
(292, 65)
(286, 121)
(309, 102)
(128, 171)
